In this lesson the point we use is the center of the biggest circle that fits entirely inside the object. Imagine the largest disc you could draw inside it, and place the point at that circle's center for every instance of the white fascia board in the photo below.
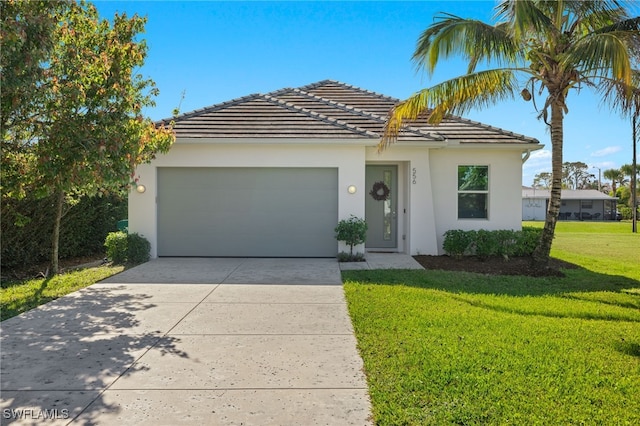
(419, 144)
(496, 146)
(273, 141)
(304, 141)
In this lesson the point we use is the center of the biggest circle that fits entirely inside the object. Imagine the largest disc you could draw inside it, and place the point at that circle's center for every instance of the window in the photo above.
(587, 204)
(473, 192)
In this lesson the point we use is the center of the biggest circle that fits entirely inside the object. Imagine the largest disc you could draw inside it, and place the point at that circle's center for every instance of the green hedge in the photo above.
(626, 212)
(27, 226)
(485, 244)
(127, 248)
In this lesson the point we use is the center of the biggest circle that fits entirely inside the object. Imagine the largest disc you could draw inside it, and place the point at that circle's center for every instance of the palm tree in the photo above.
(616, 177)
(537, 47)
(627, 170)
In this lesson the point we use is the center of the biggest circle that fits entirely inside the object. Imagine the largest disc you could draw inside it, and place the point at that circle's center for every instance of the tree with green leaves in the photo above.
(86, 131)
(616, 176)
(352, 231)
(537, 48)
(542, 180)
(576, 175)
(27, 35)
(627, 170)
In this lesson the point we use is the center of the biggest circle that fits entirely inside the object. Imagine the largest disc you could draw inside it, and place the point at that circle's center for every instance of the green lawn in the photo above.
(608, 247)
(457, 348)
(18, 297)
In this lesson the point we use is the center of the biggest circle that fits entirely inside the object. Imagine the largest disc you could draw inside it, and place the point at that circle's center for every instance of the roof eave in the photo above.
(522, 146)
(354, 141)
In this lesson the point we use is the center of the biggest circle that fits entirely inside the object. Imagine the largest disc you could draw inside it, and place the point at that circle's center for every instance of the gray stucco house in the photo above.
(582, 204)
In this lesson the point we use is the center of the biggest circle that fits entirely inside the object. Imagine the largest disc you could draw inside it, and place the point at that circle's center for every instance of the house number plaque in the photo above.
(414, 175)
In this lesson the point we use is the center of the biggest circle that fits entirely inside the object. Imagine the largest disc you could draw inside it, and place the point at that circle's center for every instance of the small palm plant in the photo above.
(352, 231)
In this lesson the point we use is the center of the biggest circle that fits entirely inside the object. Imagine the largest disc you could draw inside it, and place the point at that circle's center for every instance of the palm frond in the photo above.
(525, 17)
(474, 40)
(621, 97)
(631, 24)
(601, 55)
(456, 96)
(592, 15)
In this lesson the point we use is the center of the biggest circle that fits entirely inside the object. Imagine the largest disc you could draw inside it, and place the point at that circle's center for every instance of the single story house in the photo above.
(270, 175)
(581, 204)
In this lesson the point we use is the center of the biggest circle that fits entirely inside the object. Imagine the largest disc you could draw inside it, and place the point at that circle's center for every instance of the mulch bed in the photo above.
(494, 265)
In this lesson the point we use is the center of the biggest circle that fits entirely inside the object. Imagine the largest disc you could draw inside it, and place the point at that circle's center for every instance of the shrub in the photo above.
(626, 212)
(485, 244)
(352, 231)
(138, 249)
(116, 245)
(527, 241)
(127, 248)
(457, 242)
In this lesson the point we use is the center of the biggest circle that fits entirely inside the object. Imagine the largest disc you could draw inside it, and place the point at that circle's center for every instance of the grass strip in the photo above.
(20, 296)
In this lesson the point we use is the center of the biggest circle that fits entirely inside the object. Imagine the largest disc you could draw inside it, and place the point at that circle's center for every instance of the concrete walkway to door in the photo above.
(190, 341)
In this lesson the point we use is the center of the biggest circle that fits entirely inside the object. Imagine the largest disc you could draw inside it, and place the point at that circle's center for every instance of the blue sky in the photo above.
(217, 51)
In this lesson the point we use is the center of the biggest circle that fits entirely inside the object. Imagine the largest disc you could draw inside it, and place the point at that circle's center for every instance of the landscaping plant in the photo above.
(123, 248)
(352, 231)
(484, 244)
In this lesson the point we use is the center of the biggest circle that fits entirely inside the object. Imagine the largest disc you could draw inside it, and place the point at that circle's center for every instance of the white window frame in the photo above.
(474, 191)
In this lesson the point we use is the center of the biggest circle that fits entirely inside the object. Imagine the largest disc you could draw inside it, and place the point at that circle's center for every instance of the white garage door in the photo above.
(247, 212)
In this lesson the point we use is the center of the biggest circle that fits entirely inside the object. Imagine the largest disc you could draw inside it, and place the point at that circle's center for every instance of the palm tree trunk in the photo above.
(542, 251)
(634, 176)
(55, 239)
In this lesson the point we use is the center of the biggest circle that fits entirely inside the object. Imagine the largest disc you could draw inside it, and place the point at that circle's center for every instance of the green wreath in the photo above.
(380, 191)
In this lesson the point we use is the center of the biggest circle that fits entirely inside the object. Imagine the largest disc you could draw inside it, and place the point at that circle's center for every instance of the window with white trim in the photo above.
(473, 192)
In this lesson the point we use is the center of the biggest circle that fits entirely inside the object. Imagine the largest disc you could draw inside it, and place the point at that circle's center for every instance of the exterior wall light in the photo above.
(140, 189)
(352, 189)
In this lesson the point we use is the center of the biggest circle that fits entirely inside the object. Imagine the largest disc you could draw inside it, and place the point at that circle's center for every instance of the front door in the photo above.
(381, 206)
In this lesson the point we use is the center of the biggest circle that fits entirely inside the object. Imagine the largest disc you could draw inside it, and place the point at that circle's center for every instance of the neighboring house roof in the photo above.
(568, 194)
(327, 109)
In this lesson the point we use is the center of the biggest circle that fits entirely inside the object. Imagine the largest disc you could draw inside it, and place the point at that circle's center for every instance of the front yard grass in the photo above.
(20, 296)
(459, 348)
(607, 247)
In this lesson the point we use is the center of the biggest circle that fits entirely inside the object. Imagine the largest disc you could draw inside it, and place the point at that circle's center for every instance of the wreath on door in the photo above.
(380, 191)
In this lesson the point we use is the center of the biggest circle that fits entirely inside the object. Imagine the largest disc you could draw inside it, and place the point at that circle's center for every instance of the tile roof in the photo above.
(326, 109)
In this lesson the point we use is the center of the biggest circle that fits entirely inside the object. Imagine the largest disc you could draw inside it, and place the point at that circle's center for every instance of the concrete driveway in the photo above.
(190, 341)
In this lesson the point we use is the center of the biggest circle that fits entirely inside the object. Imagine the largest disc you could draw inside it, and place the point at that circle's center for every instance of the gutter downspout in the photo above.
(526, 156)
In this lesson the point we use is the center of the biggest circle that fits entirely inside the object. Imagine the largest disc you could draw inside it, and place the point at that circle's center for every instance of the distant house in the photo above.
(270, 175)
(583, 204)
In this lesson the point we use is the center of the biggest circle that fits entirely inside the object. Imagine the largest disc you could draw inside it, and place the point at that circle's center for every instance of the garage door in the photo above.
(247, 212)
